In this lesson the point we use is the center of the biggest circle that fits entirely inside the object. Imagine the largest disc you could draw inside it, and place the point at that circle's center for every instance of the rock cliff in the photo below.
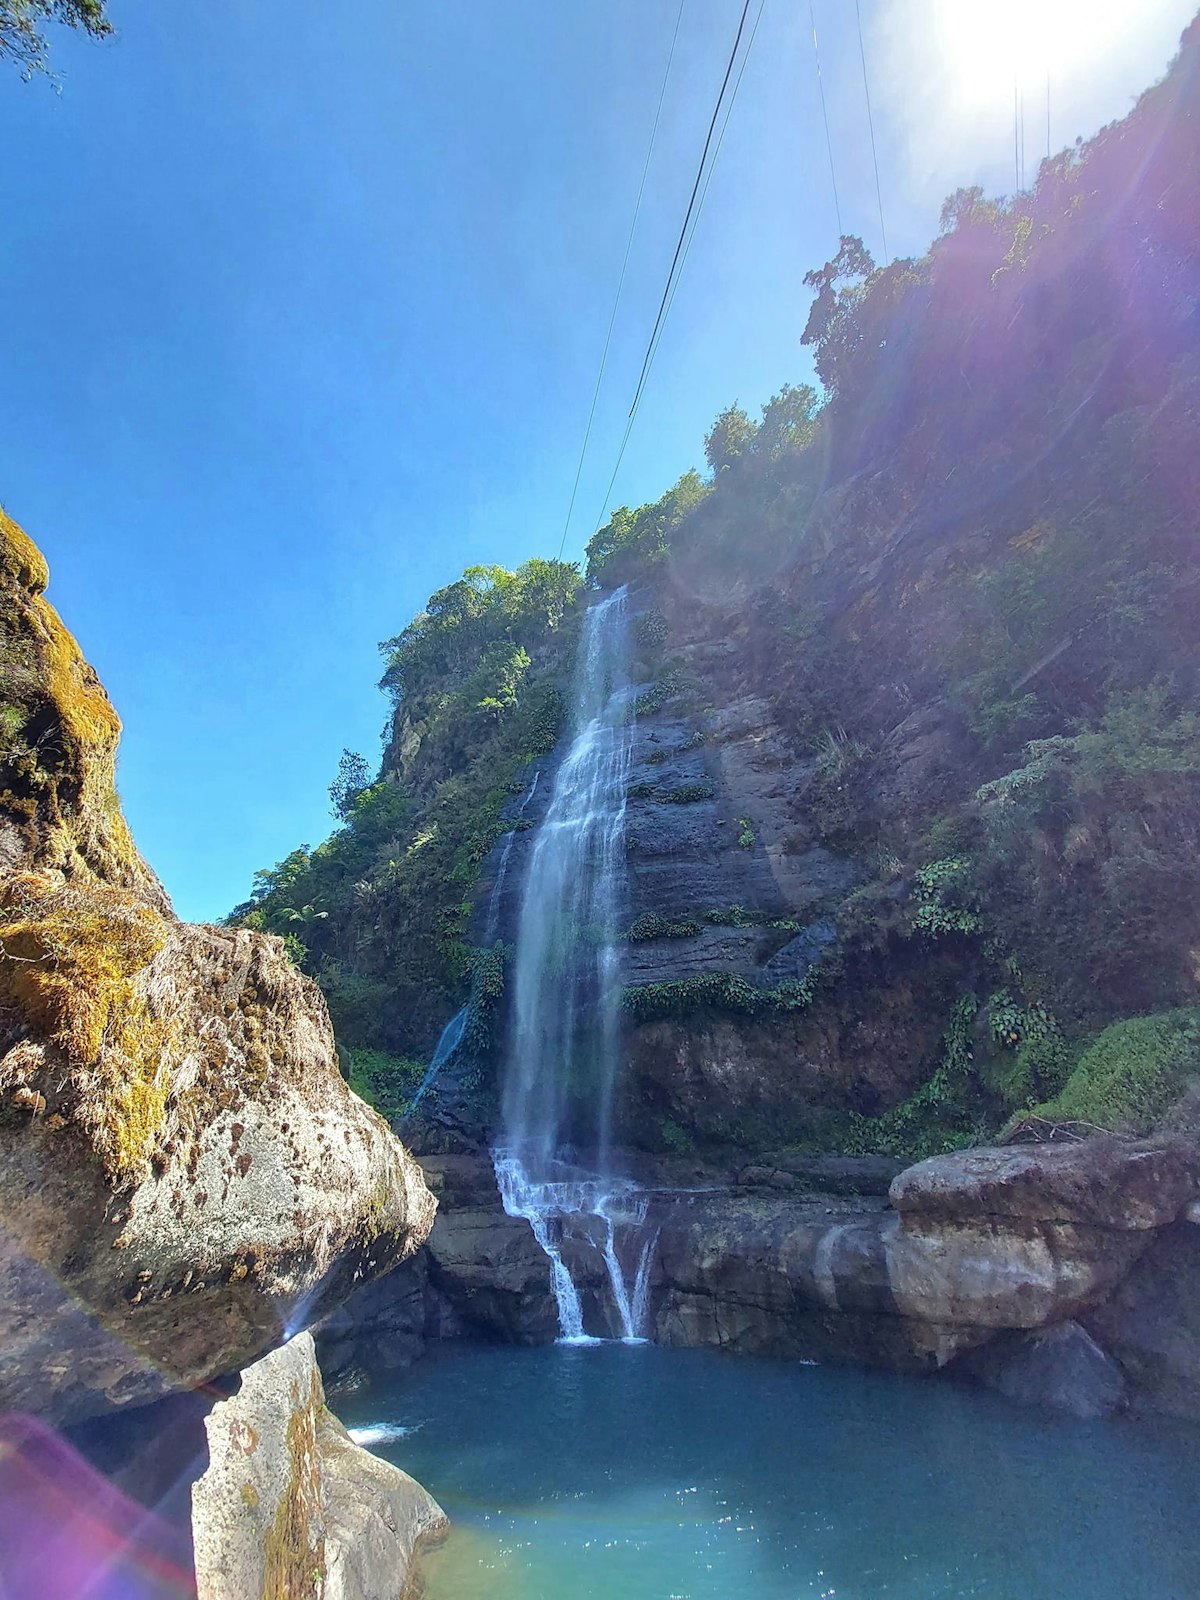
(184, 1176)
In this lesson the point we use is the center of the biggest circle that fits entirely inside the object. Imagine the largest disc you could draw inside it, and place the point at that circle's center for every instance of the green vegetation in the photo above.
(634, 541)
(943, 901)
(1132, 1074)
(656, 696)
(686, 794)
(385, 1081)
(21, 39)
(650, 631)
(718, 991)
(745, 834)
(942, 1115)
(378, 913)
(652, 926)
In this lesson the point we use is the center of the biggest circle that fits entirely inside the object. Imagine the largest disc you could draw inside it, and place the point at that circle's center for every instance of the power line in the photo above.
(673, 286)
(871, 125)
(712, 167)
(587, 433)
(812, 17)
(691, 203)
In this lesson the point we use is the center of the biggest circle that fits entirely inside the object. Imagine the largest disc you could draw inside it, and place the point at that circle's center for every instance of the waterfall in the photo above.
(492, 924)
(452, 1033)
(564, 1045)
(446, 1046)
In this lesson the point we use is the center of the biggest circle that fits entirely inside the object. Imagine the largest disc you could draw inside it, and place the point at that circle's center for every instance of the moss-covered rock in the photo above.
(185, 1176)
(290, 1508)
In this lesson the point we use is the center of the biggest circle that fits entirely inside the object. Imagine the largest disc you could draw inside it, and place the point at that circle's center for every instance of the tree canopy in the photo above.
(21, 23)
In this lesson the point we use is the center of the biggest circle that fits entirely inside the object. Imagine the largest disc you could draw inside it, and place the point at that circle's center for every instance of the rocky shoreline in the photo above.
(1059, 1274)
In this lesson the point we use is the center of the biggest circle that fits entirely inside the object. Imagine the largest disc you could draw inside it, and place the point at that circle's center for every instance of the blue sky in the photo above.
(304, 306)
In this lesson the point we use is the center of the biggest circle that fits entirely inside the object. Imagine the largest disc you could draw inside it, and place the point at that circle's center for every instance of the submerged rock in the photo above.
(185, 1178)
(1152, 1324)
(291, 1506)
(1057, 1369)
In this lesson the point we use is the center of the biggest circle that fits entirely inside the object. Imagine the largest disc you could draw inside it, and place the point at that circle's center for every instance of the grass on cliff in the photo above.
(1132, 1075)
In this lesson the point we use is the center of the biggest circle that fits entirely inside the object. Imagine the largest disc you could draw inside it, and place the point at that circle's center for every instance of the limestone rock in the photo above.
(833, 1279)
(1106, 1183)
(1001, 1272)
(184, 1176)
(291, 1507)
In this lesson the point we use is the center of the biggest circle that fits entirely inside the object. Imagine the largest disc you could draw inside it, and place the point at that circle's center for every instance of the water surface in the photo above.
(635, 1473)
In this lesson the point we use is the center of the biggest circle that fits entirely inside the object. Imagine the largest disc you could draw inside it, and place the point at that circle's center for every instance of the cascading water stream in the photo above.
(563, 1054)
(446, 1046)
(492, 924)
(452, 1033)
(641, 1286)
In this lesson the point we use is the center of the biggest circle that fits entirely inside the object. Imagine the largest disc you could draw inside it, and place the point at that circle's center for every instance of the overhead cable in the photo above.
(691, 205)
(812, 17)
(871, 125)
(693, 213)
(587, 433)
(712, 167)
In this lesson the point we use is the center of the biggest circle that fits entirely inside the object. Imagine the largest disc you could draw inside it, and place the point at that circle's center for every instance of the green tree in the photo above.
(353, 776)
(21, 22)
(832, 326)
(729, 438)
(787, 421)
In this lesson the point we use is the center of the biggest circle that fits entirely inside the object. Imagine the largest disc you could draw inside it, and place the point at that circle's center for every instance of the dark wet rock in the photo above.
(385, 1325)
(1055, 1369)
(756, 1081)
(843, 1175)
(1151, 1323)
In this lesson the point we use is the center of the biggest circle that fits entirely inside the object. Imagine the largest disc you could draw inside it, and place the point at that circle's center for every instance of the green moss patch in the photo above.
(1129, 1078)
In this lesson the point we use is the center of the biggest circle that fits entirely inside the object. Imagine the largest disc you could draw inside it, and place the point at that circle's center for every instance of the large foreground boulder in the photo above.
(290, 1507)
(185, 1178)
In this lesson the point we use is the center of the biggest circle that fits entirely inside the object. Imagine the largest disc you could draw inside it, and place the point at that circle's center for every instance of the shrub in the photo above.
(945, 902)
(718, 991)
(688, 793)
(656, 696)
(652, 926)
(385, 1081)
(650, 630)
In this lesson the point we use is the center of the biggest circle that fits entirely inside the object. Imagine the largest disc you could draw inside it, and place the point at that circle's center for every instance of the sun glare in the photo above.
(991, 47)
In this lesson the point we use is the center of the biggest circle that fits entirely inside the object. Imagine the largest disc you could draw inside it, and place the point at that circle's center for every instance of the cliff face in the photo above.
(913, 826)
(184, 1175)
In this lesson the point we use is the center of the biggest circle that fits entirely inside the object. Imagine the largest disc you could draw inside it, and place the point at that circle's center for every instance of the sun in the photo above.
(988, 48)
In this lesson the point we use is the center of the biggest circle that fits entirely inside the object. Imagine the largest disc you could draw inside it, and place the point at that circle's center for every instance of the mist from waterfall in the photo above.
(564, 1046)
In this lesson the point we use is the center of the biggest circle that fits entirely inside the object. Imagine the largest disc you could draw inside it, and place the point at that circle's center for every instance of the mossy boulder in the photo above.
(185, 1177)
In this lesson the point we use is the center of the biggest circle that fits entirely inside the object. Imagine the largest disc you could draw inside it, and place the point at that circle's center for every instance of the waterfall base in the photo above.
(572, 1213)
